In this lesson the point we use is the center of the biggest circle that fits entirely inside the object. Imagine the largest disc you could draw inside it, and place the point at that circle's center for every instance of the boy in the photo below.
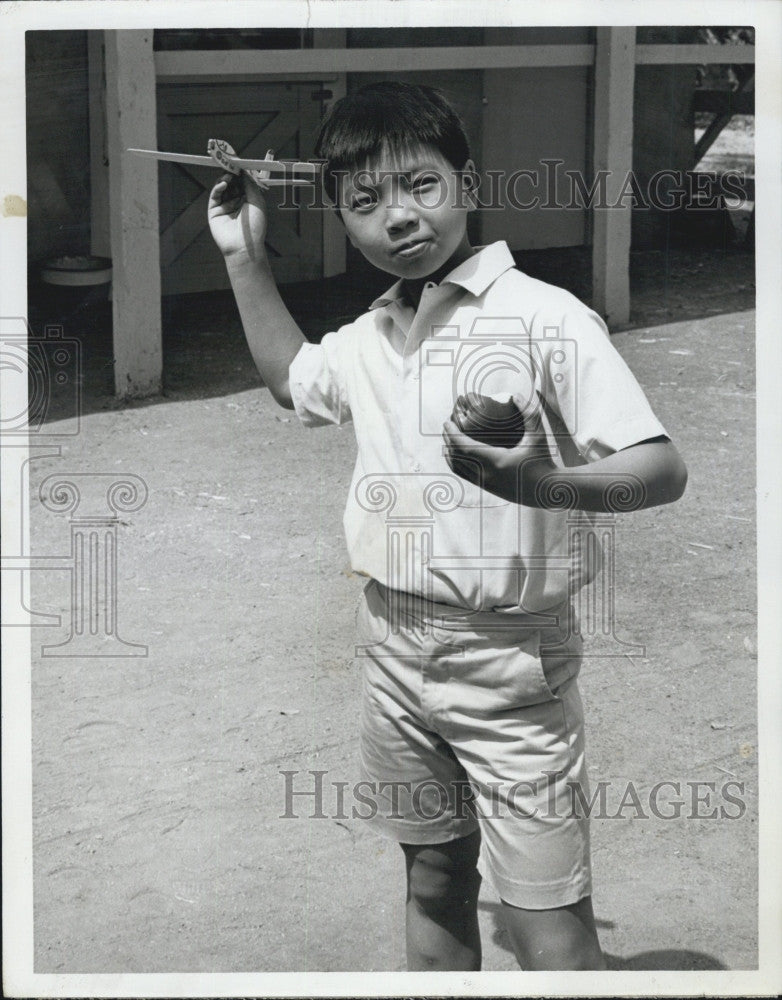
(470, 653)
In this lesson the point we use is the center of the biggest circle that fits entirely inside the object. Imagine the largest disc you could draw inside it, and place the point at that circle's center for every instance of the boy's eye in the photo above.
(362, 200)
(425, 181)
(427, 189)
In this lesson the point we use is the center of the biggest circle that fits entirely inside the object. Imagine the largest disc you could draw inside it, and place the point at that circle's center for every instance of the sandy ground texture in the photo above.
(158, 793)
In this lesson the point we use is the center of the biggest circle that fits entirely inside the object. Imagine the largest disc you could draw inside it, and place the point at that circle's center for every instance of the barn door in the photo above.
(252, 117)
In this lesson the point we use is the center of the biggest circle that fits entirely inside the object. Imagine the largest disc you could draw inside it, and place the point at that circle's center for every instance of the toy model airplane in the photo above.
(221, 155)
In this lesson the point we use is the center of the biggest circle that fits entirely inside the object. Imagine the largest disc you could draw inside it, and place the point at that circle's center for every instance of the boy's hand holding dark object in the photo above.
(493, 445)
(645, 475)
(484, 419)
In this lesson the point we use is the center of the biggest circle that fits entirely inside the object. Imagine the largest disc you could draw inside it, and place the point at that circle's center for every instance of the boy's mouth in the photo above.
(411, 248)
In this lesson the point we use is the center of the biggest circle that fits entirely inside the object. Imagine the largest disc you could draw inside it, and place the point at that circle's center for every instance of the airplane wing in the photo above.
(273, 166)
(154, 154)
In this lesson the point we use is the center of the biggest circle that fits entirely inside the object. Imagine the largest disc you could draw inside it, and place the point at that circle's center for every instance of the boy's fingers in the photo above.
(456, 439)
(463, 454)
(217, 194)
(225, 186)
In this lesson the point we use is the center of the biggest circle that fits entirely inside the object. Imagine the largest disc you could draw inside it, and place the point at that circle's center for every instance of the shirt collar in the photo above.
(475, 274)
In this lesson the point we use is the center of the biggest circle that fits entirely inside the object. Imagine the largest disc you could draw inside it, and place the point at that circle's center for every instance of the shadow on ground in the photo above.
(670, 959)
(205, 354)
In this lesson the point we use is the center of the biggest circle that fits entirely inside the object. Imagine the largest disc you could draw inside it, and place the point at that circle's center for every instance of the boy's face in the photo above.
(407, 213)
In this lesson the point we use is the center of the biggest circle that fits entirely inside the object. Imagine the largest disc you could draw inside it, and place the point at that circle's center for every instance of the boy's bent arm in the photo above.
(643, 475)
(273, 336)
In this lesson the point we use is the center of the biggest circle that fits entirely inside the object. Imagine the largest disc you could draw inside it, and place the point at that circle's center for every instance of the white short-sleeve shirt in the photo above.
(410, 522)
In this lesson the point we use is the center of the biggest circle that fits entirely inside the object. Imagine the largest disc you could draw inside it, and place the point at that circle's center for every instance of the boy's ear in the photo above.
(470, 181)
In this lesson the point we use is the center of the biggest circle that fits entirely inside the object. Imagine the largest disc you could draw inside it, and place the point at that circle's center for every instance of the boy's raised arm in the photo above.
(237, 220)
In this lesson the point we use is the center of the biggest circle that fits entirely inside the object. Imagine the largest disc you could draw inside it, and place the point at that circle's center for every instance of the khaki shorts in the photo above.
(467, 724)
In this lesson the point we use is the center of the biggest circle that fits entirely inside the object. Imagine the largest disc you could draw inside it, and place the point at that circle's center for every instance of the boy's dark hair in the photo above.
(398, 115)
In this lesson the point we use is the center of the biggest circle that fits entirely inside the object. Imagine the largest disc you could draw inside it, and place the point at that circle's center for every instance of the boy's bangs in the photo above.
(392, 156)
(379, 148)
(388, 122)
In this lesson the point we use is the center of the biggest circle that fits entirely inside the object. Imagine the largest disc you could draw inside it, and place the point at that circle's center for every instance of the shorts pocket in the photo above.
(367, 612)
(500, 671)
(560, 651)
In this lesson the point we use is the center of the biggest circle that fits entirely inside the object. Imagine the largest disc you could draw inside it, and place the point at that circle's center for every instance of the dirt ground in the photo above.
(158, 795)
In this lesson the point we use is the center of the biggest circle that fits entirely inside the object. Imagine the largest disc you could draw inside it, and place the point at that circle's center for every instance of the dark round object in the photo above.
(484, 419)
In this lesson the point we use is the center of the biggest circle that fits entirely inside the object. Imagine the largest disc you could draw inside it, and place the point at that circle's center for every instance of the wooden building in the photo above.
(572, 100)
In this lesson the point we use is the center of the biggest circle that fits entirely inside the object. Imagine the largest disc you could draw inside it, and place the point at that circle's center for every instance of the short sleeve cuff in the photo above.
(314, 385)
(624, 435)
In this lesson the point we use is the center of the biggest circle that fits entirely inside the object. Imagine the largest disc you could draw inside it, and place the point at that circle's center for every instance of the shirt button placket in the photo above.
(412, 384)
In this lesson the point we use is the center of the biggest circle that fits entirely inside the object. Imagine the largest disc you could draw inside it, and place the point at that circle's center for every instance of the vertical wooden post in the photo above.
(613, 152)
(334, 239)
(133, 213)
(100, 232)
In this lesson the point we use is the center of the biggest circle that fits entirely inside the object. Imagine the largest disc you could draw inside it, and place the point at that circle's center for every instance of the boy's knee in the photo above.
(563, 938)
(440, 876)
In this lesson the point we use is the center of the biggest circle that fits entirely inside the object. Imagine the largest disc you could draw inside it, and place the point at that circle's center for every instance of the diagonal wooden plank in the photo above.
(273, 136)
(176, 238)
(188, 225)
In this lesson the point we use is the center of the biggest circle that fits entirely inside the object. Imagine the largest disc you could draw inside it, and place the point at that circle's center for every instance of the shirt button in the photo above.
(430, 284)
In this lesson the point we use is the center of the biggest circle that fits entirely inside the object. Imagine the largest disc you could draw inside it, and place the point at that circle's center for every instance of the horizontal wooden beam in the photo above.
(266, 62)
(724, 102)
(374, 60)
(703, 54)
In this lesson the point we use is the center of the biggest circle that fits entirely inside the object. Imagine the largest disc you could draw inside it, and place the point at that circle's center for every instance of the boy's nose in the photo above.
(401, 215)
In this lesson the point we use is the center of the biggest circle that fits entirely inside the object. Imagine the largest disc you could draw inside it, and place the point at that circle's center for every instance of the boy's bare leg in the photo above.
(442, 905)
(561, 938)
